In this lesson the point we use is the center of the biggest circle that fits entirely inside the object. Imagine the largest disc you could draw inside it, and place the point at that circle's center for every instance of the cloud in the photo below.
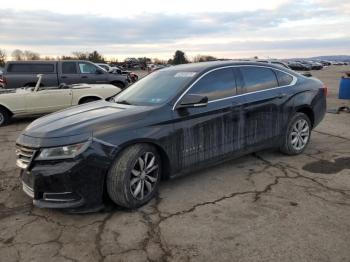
(290, 26)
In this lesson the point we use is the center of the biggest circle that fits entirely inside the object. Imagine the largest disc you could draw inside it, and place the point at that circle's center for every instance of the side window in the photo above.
(258, 78)
(69, 68)
(31, 68)
(283, 78)
(217, 84)
(87, 68)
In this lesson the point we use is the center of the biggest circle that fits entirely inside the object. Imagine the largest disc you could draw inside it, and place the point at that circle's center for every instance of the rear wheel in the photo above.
(297, 136)
(4, 116)
(134, 177)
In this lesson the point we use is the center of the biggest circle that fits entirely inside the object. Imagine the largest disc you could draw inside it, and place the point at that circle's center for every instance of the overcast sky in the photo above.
(156, 28)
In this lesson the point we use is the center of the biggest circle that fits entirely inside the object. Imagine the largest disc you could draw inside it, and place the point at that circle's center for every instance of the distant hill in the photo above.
(343, 58)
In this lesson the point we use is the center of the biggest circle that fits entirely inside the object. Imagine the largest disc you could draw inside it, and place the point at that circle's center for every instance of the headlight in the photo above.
(63, 152)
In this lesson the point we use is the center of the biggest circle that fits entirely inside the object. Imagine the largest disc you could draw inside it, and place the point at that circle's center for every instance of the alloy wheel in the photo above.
(144, 175)
(300, 134)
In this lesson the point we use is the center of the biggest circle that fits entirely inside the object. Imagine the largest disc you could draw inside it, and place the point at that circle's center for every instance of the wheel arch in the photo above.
(7, 109)
(166, 164)
(82, 98)
(307, 110)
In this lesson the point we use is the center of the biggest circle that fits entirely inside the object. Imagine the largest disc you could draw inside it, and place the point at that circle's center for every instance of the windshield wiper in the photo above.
(124, 102)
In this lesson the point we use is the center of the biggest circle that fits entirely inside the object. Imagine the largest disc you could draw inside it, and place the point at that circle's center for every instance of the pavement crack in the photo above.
(98, 238)
(327, 134)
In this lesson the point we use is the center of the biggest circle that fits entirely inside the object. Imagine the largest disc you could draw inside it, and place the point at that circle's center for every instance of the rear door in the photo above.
(69, 73)
(208, 133)
(263, 104)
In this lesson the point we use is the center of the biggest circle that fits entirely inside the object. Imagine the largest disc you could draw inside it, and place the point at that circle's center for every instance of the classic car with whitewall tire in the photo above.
(36, 101)
(170, 122)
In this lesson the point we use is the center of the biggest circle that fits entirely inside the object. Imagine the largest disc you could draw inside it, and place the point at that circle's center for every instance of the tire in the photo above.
(118, 84)
(297, 135)
(4, 117)
(88, 100)
(125, 183)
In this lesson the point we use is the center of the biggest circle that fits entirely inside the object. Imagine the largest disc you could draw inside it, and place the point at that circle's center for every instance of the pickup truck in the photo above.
(24, 74)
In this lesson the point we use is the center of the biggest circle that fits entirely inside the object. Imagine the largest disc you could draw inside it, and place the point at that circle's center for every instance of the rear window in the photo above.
(283, 78)
(258, 78)
(69, 68)
(31, 68)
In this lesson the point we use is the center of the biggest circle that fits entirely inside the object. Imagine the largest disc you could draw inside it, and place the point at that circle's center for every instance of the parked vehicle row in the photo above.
(24, 74)
(117, 70)
(168, 123)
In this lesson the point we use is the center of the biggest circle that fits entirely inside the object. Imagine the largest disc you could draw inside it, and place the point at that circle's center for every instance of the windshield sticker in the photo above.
(185, 74)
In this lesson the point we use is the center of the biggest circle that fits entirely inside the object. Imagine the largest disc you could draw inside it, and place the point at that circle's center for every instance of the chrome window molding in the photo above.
(294, 81)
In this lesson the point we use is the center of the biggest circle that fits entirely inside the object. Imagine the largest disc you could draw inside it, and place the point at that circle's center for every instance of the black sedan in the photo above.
(171, 122)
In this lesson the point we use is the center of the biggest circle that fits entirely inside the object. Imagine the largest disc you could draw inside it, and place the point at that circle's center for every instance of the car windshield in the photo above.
(156, 88)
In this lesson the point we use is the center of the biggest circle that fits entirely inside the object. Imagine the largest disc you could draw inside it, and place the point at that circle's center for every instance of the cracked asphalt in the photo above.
(262, 207)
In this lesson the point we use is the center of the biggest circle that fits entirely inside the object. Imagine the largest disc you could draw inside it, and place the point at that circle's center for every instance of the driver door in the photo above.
(48, 100)
(211, 132)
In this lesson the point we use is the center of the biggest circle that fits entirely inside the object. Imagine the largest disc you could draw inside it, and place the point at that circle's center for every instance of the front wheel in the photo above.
(134, 177)
(297, 135)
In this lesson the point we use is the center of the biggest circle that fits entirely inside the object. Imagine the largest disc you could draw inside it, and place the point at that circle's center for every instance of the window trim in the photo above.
(76, 68)
(294, 81)
(243, 82)
(235, 88)
(78, 64)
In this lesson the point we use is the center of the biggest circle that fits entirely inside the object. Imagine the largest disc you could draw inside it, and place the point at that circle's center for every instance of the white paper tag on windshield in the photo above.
(185, 74)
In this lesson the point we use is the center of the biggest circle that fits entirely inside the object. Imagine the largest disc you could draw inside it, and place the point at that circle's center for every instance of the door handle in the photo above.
(84, 77)
(64, 77)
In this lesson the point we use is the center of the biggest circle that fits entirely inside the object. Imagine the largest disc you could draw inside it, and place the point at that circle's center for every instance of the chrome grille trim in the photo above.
(28, 190)
(24, 155)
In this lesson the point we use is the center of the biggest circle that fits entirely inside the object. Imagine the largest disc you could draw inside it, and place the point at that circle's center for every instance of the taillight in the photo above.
(325, 90)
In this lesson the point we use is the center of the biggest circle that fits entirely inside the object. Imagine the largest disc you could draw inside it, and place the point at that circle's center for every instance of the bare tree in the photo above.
(204, 58)
(81, 55)
(17, 54)
(96, 57)
(30, 55)
(2, 58)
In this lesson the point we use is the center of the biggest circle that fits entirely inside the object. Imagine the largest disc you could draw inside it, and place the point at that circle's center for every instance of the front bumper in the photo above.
(76, 185)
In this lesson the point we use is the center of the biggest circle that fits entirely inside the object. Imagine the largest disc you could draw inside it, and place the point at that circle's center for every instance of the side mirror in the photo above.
(192, 100)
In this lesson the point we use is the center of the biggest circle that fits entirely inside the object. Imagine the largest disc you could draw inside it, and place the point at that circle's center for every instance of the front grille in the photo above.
(25, 156)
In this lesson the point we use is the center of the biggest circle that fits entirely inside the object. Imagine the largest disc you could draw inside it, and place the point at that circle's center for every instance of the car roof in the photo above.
(45, 61)
(207, 66)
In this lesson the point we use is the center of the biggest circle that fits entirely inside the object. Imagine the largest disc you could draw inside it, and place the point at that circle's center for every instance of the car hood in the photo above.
(84, 119)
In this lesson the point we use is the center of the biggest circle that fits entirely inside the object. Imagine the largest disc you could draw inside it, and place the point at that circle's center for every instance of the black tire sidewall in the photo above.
(287, 147)
(125, 175)
(5, 117)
